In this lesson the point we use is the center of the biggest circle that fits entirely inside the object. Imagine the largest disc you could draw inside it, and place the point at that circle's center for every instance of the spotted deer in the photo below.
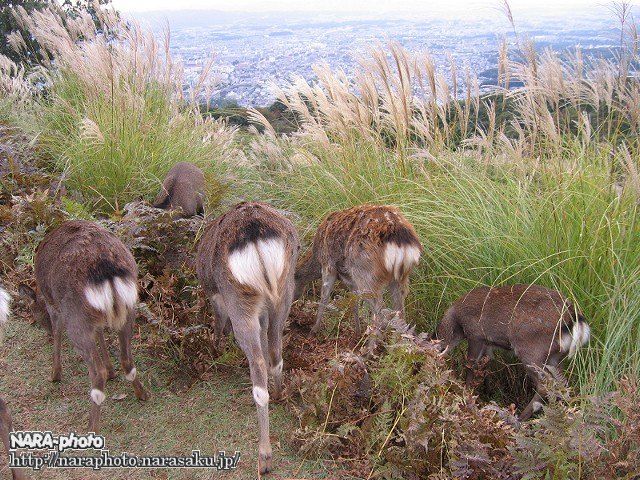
(538, 324)
(6, 425)
(245, 263)
(369, 248)
(86, 282)
(182, 187)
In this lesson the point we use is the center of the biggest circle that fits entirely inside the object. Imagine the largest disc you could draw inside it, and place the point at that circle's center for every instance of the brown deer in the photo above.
(245, 263)
(86, 281)
(182, 187)
(368, 247)
(538, 324)
(5, 418)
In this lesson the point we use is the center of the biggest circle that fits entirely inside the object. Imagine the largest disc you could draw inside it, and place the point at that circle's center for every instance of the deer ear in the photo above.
(27, 292)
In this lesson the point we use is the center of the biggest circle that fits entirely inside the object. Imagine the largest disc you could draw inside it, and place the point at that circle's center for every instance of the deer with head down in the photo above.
(86, 282)
(537, 324)
(183, 187)
(245, 263)
(6, 425)
(369, 248)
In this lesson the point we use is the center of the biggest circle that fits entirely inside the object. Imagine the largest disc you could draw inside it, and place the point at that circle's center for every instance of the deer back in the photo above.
(183, 187)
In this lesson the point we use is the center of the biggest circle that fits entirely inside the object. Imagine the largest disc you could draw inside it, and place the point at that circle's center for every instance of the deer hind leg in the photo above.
(476, 349)
(370, 288)
(329, 277)
(5, 428)
(221, 319)
(106, 358)
(356, 314)
(276, 327)
(399, 290)
(373, 298)
(535, 370)
(56, 330)
(247, 331)
(126, 357)
(84, 341)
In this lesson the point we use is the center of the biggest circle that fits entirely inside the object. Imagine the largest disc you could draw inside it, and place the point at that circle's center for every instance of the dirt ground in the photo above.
(211, 415)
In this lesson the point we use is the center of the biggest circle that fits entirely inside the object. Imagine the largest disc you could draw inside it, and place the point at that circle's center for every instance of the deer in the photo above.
(86, 281)
(183, 187)
(6, 425)
(538, 324)
(369, 248)
(245, 263)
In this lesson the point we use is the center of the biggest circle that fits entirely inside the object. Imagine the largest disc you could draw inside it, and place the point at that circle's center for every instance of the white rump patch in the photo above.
(399, 259)
(580, 334)
(585, 334)
(100, 296)
(103, 297)
(537, 406)
(97, 396)
(5, 301)
(131, 376)
(126, 290)
(259, 265)
(261, 396)
(565, 341)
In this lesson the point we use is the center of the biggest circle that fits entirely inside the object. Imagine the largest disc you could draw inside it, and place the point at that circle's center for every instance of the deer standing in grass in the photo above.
(245, 263)
(538, 324)
(6, 425)
(182, 187)
(86, 282)
(368, 247)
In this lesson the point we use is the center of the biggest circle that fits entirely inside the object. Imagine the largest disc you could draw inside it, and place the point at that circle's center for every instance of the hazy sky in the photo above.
(373, 6)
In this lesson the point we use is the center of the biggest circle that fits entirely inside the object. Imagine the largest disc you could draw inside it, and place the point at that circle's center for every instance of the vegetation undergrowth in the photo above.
(534, 184)
(544, 192)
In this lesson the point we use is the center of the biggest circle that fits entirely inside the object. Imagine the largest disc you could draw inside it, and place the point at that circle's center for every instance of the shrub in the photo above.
(395, 410)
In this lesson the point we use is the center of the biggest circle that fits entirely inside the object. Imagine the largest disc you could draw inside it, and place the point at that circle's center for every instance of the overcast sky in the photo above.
(373, 6)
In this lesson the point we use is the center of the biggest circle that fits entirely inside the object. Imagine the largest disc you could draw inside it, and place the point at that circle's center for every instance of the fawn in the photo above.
(368, 247)
(86, 281)
(538, 324)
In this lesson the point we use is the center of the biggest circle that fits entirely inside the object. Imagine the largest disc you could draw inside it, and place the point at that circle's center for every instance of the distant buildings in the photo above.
(252, 55)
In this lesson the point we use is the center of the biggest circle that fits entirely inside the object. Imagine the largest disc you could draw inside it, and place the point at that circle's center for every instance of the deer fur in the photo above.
(369, 248)
(538, 324)
(6, 425)
(245, 263)
(86, 282)
(5, 301)
(183, 187)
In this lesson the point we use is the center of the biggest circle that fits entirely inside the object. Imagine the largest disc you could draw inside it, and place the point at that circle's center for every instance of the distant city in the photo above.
(256, 51)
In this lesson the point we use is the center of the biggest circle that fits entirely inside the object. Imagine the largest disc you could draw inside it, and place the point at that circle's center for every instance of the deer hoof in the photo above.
(264, 462)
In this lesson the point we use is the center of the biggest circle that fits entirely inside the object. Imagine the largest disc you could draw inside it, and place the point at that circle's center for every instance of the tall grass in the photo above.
(113, 114)
(534, 184)
(539, 183)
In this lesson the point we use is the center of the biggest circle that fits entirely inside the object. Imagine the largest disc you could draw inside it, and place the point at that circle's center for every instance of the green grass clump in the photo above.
(117, 147)
(568, 230)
